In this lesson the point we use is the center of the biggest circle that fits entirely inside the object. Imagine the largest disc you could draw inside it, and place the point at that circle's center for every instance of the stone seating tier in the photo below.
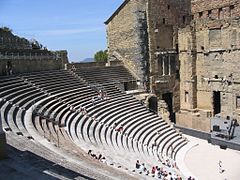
(49, 95)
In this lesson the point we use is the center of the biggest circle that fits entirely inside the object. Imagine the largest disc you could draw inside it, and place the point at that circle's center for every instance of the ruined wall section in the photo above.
(62, 55)
(27, 65)
(218, 64)
(220, 9)
(217, 52)
(127, 35)
(164, 20)
(188, 58)
(189, 115)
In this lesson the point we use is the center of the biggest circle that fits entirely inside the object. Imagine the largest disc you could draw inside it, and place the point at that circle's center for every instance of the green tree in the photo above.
(101, 56)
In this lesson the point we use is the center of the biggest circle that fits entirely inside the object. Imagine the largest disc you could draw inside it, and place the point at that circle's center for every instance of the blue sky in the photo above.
(74, 25)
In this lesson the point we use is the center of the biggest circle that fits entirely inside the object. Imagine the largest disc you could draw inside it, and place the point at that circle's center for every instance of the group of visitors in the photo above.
(102, 95)
(157, 172)
(168, 163)
(220, 166)
(99, 157)
(119, 129)
(81, 110)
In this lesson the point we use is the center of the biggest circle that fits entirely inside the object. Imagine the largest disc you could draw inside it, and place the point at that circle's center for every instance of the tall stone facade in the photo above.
(127, 37)
(164, 19)
(144, 35)
(187, 52)
(209, 51)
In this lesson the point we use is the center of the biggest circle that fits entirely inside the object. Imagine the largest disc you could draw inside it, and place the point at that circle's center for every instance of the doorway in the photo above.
(168, 98)
(125, 84)
(9, 68)
(216, 102)
(153, 104)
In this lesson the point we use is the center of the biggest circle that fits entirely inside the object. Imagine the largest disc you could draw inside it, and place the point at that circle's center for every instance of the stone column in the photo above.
(3, 153)
(169, 65)
(163, 65)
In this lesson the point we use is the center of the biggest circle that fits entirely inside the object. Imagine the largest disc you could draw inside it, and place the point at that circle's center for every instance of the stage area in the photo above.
(203, 161)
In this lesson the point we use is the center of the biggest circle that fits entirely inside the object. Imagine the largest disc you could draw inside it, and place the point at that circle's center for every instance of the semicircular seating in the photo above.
(59, 97)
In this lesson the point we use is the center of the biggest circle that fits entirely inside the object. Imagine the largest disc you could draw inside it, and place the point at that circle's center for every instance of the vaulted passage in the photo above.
(168, 98)
(216, 102)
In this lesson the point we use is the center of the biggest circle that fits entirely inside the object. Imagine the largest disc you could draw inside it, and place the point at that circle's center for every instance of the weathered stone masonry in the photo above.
(127, 32)
(209, 55)
(187, 51)
(164, 19)
(144, 35)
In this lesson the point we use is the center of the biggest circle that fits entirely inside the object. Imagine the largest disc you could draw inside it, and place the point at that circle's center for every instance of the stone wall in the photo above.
(209, 55)
(164, 19)
(24, 66)
(219, 9)
(196, 39)
(86, 65)
(127, 34)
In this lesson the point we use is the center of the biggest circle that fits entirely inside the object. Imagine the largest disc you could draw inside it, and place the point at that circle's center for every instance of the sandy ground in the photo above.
(203, 159)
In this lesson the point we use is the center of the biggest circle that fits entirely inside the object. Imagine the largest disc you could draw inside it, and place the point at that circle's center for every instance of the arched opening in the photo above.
(168, 98)
(125, 84)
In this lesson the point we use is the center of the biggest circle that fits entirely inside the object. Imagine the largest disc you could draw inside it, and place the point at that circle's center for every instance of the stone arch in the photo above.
(152, 103)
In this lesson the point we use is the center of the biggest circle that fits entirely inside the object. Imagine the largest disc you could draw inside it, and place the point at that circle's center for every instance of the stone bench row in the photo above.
(88, 137)
(97, 115)
(140, 127)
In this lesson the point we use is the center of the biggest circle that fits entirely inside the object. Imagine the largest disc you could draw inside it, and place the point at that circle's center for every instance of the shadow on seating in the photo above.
(27, 165)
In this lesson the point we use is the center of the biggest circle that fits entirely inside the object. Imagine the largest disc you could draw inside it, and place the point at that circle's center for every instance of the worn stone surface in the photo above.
(126, 37)
(39, 159)
(209, 52)
(193, 50)
(24, 65)
(144, 35)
